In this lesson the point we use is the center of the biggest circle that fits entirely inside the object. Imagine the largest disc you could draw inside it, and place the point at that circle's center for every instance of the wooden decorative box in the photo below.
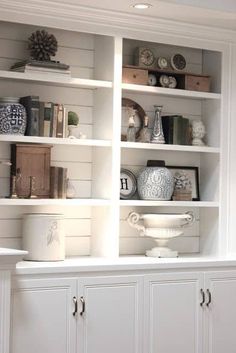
(31, 160)
(137, 76)
(197, 83)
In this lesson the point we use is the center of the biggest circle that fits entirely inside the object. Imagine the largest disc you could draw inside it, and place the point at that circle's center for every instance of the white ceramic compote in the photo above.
(162, 227)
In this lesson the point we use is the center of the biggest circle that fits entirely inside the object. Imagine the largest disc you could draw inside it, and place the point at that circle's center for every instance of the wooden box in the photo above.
(30, 160)
(197, 83)
(137, 76)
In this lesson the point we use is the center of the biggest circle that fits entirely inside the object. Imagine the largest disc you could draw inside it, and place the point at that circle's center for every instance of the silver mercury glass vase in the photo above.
(157, 133)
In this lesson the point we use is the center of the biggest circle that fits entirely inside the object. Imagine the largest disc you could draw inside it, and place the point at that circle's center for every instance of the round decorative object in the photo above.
(178, 62)
(162, 62)
(12, 116)
(42, 45)
(147, 57)
(152, 80)
(128, 184)
(155, 183)
(164, 81)
(172, 82)
(140, 114)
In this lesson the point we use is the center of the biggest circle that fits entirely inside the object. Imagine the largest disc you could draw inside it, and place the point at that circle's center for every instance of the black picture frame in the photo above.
(193, 173)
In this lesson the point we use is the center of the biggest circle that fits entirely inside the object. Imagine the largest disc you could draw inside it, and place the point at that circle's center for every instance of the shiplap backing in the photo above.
(193, 56)
(77, 227)
(77, 50)
(132, 243)
(135, 160)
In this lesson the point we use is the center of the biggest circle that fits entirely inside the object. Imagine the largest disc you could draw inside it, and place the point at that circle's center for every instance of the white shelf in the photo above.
(55, 141)
(128, 87)
(166, 147)
(54, 202)
(208, 204)
(55, 80)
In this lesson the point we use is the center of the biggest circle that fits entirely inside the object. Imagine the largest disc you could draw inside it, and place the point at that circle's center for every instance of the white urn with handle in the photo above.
(161, 227)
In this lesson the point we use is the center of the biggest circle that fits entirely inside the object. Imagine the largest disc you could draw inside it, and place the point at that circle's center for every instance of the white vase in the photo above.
(44, 237)
(73, 131)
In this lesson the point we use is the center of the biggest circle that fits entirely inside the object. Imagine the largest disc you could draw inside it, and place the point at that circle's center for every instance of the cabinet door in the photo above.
(42, 320)
(221, 312)
(173, 315)
(112, 318)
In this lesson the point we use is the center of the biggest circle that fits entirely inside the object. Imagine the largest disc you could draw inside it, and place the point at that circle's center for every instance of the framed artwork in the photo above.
(128, 184)
(186, 178)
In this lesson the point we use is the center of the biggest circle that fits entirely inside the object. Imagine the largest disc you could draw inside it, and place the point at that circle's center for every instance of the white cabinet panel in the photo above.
(42, 320)
(173, 315)
(221, 312)
(113, 315)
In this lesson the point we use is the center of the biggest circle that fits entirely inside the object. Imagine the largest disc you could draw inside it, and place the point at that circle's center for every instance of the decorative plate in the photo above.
(178, 62)
(128, 184)
(140, 114)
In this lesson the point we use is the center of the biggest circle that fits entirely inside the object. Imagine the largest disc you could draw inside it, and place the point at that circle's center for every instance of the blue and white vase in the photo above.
(155, 183)
(12, 116)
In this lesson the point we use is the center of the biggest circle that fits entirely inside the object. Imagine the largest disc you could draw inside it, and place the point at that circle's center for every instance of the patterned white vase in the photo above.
(155, 183)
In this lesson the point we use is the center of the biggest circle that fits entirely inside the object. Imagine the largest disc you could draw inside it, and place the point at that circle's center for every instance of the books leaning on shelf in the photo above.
(58, 182)
(41, 67)
(44, 118)
(176, 130)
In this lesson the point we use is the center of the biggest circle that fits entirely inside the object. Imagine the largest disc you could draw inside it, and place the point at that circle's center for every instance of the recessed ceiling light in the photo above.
(141, 6)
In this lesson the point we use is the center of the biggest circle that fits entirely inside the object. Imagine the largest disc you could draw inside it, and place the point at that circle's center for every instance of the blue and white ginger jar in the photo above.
(155, 183)
(12, 116)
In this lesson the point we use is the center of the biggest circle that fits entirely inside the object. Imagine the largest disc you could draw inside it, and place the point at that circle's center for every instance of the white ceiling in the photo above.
(217, 13)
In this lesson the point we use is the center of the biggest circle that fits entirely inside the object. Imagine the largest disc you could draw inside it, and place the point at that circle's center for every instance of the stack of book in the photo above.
(41, 67)
(58, 182)
(176, 130)
(44, 118)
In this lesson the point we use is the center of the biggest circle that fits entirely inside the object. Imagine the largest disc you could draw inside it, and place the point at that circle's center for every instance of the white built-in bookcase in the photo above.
(96, 219)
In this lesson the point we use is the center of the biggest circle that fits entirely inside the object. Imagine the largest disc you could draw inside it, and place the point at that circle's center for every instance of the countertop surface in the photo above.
(10, 257)
(123, 263)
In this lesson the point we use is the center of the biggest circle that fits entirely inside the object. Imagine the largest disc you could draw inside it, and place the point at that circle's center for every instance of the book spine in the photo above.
(186, 138)
(177, 130)
(62, 176)
(47, 118)
(41, 118)
(54, 173)
(165, 127)
(31, 104)
(65, 123)
(54, 121)
(60, 121)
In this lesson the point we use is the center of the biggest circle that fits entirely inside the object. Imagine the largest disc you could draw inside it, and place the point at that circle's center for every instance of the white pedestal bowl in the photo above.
(161, 227)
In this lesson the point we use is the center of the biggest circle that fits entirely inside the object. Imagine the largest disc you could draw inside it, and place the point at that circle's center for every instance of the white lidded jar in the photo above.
(44, 236)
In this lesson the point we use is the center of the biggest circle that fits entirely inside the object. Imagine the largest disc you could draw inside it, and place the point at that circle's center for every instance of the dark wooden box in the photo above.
(31, 160)
(136, 76)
